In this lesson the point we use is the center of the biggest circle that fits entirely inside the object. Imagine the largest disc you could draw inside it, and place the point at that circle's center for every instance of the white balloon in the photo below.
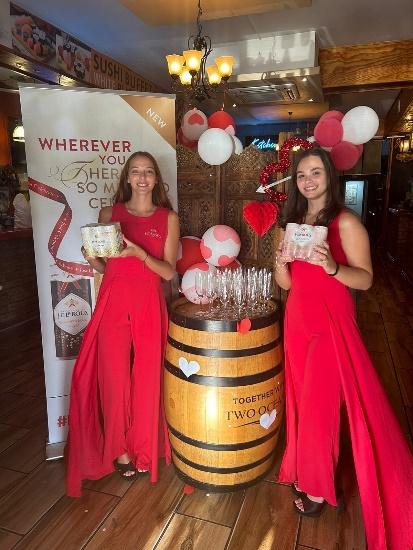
(359, 125)
(215, 146)
(238, 147)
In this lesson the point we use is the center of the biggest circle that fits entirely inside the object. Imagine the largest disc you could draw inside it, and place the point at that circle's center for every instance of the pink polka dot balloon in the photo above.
(188, 282)
(189, 253)
(220, 245)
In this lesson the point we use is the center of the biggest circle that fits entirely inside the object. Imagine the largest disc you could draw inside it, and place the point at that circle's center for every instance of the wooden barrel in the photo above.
(224, 397)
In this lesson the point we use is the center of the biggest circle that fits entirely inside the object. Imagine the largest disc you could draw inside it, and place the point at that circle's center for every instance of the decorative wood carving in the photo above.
(198, 192)
(210, 195)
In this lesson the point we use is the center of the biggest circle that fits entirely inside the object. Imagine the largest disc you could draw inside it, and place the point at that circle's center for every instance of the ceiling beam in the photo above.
(378, 65)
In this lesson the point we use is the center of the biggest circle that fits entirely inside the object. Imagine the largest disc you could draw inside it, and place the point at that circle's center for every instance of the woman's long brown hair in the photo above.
(295, 208)
(159, 193)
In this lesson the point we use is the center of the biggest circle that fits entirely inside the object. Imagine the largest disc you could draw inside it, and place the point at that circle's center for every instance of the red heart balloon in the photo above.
(260, 216)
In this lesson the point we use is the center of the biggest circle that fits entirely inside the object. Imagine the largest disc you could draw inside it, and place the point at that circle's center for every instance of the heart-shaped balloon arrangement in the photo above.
(284, 162)
(261, 216)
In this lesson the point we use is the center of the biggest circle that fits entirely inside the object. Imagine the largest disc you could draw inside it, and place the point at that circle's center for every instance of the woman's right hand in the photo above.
(86, 257)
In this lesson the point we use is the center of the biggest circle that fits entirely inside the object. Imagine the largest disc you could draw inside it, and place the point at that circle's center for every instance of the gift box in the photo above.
(102, 239)
(300, 239)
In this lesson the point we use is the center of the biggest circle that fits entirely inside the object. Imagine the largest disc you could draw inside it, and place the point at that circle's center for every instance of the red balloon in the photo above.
(221, 119)
(189, 253)
(328, 132)
(345, 155)
(332, 114)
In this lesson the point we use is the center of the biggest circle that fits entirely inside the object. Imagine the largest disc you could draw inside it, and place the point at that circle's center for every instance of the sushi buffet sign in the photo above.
(37, 39)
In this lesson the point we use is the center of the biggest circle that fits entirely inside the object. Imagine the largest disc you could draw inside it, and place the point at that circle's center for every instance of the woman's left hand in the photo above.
(322, 256)
(132, 249)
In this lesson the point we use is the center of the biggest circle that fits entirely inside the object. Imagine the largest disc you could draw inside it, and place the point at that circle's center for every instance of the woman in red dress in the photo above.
(327, 367)
(116, 414)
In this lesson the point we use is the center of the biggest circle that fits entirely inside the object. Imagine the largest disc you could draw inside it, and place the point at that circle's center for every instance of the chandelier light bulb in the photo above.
(175, 64)
(214, 76)
(192, 59)
(185, 77)
(224, 64)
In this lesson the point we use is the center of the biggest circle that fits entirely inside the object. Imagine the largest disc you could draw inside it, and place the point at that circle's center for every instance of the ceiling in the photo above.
(139, 33)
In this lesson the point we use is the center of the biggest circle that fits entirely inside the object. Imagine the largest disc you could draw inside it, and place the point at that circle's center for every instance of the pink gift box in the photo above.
(300, 239)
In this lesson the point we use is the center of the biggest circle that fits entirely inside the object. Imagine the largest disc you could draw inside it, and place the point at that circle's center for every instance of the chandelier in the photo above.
(189, 71)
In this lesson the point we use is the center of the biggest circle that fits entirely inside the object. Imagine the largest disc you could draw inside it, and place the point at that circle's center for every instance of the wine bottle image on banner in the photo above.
(72, 309)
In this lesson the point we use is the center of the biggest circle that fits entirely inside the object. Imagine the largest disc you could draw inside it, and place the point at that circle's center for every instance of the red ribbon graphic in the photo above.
(60, 229)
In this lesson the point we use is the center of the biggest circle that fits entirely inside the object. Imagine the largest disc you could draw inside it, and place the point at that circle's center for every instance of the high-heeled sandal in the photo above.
(123, 469)
(296, 491)
(310, 508)
(314, 509)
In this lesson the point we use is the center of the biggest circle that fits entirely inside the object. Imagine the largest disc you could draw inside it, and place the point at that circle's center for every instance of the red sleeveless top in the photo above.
(149, 232)
(310, 282)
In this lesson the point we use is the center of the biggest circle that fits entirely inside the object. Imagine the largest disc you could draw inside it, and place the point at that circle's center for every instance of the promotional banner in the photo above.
(77, 141)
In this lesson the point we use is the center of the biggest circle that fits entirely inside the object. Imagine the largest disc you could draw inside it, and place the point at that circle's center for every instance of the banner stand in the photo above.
(77, 142)
(54, 451)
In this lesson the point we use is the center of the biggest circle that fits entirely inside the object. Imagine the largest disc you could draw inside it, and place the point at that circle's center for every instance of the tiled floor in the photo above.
(113, 514)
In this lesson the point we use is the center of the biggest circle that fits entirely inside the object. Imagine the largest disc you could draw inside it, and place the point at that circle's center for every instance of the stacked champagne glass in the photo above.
(234, 293)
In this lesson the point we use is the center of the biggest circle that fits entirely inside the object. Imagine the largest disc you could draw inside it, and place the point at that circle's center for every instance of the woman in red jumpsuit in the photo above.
(116, 415)
(327, 367)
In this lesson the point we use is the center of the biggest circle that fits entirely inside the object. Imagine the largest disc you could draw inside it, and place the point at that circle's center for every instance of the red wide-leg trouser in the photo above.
(130, 395)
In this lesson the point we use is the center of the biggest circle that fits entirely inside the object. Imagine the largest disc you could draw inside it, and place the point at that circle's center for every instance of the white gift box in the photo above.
(102, 239)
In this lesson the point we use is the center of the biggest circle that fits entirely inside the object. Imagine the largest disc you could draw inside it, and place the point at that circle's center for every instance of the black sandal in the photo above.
(296, 491)
(311, 509)
(123, 469)
(141, 473)
(314, 509)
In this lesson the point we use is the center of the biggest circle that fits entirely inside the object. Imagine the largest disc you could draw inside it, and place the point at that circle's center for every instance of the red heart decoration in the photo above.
(244, 326)
(260, 216)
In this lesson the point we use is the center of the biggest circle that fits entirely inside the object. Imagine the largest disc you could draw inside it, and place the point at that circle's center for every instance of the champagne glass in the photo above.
(239, 294)
(267, 288)
(251, 290)
(225, 291)
(210, 290)
(200, 289)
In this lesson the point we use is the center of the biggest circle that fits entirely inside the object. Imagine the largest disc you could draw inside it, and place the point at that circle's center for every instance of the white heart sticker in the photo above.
(188, 368)
(267, 419)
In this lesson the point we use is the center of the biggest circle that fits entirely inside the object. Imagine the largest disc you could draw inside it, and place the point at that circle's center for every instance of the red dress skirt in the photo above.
(327, 366)
(116, 402)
